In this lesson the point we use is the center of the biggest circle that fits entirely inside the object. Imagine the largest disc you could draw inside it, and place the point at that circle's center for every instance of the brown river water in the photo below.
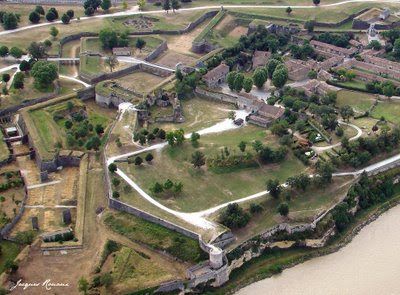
(369, 264)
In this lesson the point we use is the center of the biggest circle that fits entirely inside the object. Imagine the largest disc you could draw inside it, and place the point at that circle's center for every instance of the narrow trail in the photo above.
(325, 148)
(135, 11)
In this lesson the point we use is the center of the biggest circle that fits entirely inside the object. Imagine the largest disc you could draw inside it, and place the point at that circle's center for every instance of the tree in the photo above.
(124, 5)
(271, 66)
(238, 83)
(105, 5)
(140, 43)
(316, 2)
(198, 159)
(34, 17)
(346, 112)
(89, 11)
(37, 50)
(39, 9)
(92, 3)
(18, 82)
(5, 78)
(341, 216)
(44, 74)
(168, 184)
(54, 32)
(234, 216)
(374, 44)
(283, 209)
(95, 143)
(157, 188)
(194, 138)
(175, 5)
(259, 77)
(106, 280)
(166, 5)
(232, 115)
(50, 16)
(396, 48)
(70, 13)
(149, 157)
(309, 26)
(83, 285)
(24, 66)
(289, 10)
(53, 10)
(65, 19)
(99, 129)
(247, 84)
(115, 194)
(274, 187)
(230, 79)
(325, 170)
(242, 146)
(3, 51)
(10, 21)
(138, 161)
(111, 61)
(112, 168)
(108, 38)
(141, 4)
(388, 90)
(280, 76)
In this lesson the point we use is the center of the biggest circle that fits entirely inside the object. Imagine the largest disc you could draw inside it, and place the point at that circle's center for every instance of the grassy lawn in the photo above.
(304, 207)
(388, 109)
(203, 188)
(4, 152)
(133, 270)
(360, 101)
(155, 236)
(52, 132)
(140, 81)
(199, 113)
(91, 65)
(354, 84)
(93, 44)
(9, 251)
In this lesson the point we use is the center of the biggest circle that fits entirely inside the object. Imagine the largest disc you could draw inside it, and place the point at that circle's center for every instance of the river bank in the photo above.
(274, 262)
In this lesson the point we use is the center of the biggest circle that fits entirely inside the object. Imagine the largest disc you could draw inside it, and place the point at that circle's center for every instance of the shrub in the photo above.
(16, 52)
(34, 17)
(3, 51)
(234, 216)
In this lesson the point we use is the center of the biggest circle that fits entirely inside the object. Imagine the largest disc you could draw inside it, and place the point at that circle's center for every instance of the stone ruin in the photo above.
(140, 23)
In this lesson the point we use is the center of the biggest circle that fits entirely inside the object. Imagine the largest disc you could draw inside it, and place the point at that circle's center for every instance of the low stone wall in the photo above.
(32, 102)
(120, 206)
(342, 22)
(5, 231)
(217, 96)
(157, 52)
(86, 93)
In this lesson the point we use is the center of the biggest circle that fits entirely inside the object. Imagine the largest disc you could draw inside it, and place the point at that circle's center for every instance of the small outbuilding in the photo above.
(66, 216)
(121, 51)
(35, 223)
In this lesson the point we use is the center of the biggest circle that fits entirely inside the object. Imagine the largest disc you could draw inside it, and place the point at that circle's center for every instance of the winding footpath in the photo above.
(135, 11)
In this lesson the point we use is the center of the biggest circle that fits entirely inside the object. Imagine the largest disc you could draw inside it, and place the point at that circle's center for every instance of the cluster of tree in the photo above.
(368, 191)
(9, 20)
(234, 216)
(274, 70)
(185, 84)
(176, 137)
(92, 5)
(110, 39)
(392, 47)
(52, 14)
(14, 51)
(143, 135)
(386, 88)
(236, 82)
(359, 152)
(340, 40)
(261, 39)
(38, 50)
(18, 81)
(173, 4)
(267, 155)
(374, 44)
(168, 186)
(302, 52)
(346, 75)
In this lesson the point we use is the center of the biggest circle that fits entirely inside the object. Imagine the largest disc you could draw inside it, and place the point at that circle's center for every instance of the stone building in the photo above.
(121, 51)
(317, 87)
(260, 58)
(216, 76)
(329, 50)
(265, 115)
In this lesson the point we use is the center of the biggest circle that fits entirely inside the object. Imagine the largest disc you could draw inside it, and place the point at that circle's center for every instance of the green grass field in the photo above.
(360, 101)
(91, 65)
(155, 236)
(4, 152)
(390, 110)
(199, 113)
(203, 188)
(9, 251)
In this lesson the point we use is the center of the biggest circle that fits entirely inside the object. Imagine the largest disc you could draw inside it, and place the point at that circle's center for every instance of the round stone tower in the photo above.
(216, 258)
